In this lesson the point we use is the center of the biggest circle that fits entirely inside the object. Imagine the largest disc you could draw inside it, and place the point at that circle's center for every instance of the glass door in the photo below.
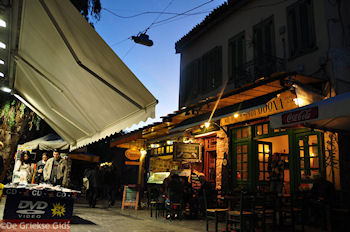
(309, 152)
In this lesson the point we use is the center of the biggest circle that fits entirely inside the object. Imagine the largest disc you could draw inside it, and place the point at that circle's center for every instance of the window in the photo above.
(190, 77)
(211, 70)
(262, 129)
(236, 57)
(301, 28)
(242, 162)
(264, 151)
(242, 133)
(309, 157)
(264, 48)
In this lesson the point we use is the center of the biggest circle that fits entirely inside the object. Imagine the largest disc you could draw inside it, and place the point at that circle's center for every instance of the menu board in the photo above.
(190, 152)
(130, 196)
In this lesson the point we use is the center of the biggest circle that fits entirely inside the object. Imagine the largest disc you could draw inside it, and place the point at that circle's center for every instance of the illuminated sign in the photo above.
(132, 154)
(281, 103)
(300, 115)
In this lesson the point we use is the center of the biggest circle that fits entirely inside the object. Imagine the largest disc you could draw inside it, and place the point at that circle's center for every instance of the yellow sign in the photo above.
(282, 102)
(132, 154)
(58, 210)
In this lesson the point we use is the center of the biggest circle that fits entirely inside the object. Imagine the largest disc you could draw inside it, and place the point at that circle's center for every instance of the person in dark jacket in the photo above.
(91, 194)
(39, 177)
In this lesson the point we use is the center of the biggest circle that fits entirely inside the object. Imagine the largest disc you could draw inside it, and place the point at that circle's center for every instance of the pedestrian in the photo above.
(39, 177)
(23, 170)
(276, 173)
(56, 170)
(92, 190)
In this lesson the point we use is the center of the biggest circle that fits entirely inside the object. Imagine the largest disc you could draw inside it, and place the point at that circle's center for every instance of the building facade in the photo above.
(244, 42)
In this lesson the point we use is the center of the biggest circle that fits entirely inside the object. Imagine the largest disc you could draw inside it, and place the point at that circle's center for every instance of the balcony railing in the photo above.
(262, 66)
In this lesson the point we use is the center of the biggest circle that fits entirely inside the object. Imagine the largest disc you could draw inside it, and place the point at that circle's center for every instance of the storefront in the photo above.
(176, 157)
(253, 143)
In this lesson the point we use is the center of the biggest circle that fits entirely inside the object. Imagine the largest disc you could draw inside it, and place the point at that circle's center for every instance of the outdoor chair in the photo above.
(265, 210)
(292, 212)
(241, 217)
(158, 207)
(212, 211)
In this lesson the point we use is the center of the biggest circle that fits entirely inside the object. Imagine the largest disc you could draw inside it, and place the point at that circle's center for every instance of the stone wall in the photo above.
(222, 146)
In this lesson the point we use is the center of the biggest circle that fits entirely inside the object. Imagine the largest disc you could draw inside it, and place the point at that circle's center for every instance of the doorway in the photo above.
(265, 150)
(209, 164)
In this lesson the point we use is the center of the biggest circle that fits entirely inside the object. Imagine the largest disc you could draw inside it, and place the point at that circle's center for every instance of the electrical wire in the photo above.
(159, 16)
(151, 12)
(129, 51)
(184, 12)
(116, 43)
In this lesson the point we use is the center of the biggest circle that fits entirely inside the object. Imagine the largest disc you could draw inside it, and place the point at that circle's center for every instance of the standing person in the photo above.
(91, 194)
(56, 170)
(40, 168)
(276, 171)
(23, 170)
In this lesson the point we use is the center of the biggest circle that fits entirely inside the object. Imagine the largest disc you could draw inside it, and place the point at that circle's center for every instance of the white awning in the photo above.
(71, 78)
(332, 113)
(48, 142)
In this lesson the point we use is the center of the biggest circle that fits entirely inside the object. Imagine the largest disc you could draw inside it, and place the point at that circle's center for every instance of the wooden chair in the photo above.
(212, 213)
(293, 211)
(158, 206)
(265, 210)
(241, 217)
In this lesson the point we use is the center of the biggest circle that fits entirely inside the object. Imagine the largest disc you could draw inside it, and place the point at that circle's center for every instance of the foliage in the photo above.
(331, 161)
(89, 9)
(22, 108)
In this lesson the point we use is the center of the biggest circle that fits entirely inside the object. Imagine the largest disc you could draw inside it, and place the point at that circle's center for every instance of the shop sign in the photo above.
(282, 102)
(300, 115)
(28, 207)
(132, 154)
(187, 151)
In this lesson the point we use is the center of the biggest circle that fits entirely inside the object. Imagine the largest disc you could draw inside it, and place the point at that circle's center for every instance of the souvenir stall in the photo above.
(26, 200)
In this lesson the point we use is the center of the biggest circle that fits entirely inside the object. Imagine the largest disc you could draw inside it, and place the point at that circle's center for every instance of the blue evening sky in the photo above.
(157, 67)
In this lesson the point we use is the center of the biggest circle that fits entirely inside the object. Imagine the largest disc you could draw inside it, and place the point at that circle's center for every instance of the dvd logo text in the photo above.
(29, 209)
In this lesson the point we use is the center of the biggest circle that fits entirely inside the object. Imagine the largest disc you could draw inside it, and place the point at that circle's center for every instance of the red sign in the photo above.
(300, 115)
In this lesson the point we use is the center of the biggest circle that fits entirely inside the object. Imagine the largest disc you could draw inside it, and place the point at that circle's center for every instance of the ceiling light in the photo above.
(2, 74)
(2, 62)
(2, 45)
(207, 124)
(236, 115)
(2, 23)
(5, 89)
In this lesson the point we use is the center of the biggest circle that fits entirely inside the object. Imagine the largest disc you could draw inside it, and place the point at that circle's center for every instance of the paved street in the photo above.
(113, 219)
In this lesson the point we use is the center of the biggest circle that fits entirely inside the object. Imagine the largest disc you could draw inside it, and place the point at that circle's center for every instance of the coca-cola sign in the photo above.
(300, 115)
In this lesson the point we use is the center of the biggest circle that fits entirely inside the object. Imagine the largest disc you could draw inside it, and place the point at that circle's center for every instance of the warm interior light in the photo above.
(2, 45)
(2, 23)
(207, 124)
(5, 89)
(236, 115)
(169, 142)
(296, 101)
(143, 153)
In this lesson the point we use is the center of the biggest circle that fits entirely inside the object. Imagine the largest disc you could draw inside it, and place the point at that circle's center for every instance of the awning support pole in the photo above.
(60, 32)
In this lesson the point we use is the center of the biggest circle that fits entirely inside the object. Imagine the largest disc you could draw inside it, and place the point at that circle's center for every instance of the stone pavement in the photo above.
(114, 219)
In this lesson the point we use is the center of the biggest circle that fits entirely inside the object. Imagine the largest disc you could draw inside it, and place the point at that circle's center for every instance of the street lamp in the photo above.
(207, 125)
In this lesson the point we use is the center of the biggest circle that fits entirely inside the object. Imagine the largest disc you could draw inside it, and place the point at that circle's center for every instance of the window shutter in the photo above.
(218, 67)
(292, 31)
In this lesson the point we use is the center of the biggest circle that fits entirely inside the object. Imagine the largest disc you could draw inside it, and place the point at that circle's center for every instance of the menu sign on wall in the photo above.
(187, 151)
